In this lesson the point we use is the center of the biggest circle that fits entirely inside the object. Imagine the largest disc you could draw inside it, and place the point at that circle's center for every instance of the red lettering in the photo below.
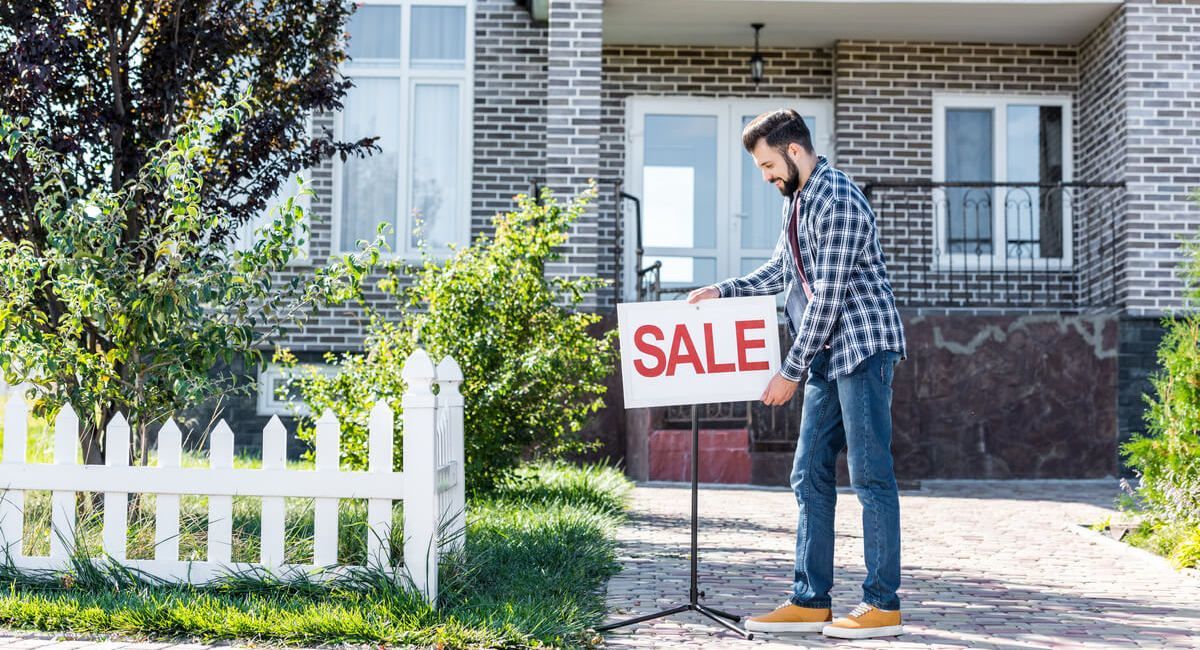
(744, 344)
(711, 353)
(644, 347)
(682, 339)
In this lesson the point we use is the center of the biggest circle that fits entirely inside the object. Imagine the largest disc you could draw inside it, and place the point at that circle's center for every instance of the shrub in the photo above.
(1167, 456)
(532, 368)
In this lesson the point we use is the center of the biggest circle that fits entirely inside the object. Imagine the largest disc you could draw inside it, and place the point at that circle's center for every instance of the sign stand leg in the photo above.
(724, 619)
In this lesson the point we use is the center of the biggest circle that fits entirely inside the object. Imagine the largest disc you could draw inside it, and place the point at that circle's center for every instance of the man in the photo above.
(848, 337)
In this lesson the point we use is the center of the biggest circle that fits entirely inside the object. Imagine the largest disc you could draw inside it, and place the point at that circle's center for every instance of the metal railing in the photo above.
(1008, 246)
(1013, 246)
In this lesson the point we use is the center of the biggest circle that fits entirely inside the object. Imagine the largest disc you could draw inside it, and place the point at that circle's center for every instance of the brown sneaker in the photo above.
(791, 618)
(866, 622)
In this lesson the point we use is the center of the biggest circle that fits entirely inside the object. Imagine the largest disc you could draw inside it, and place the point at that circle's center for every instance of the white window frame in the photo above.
(999, 259)
(287, 189)
(269, 404)
(408, 77)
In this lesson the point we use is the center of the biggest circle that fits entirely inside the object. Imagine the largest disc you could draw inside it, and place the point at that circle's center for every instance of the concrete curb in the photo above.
(1087, 533)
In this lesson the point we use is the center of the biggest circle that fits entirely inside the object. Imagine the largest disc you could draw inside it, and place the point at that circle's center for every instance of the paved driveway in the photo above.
(985, 565)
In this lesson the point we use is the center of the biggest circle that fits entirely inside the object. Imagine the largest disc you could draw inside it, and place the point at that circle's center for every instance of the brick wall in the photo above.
(884, 132)
(1139, 341)
(573, 126)
(1101, 153)
(508, 149)
(510, 108)
(1163, 104)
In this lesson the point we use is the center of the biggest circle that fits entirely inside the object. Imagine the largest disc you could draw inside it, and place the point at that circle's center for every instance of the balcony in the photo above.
(984, 246)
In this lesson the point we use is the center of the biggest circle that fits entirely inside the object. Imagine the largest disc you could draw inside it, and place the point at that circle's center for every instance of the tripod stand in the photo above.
(694, 594)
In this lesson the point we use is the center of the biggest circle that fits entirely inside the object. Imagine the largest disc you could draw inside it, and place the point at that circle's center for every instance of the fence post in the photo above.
(450, 378)
(62, 503)
(220, 507)
(116, 504)
(12, 502)
(274, 453)
(166, 509)
(325, 511)
(380, 445)
(420, 473)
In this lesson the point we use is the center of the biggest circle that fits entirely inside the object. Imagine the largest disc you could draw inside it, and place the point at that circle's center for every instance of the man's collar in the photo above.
(804, 192)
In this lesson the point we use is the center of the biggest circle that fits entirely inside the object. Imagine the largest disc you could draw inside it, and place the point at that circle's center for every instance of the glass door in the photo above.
(706, 212)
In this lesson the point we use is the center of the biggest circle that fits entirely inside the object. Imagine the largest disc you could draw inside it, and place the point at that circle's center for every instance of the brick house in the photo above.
(1029, 164)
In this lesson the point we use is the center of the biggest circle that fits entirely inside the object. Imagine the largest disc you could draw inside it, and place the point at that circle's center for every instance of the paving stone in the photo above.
(985, 564)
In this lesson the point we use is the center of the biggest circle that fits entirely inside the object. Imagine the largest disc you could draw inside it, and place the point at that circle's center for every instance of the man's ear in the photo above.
(794, 149)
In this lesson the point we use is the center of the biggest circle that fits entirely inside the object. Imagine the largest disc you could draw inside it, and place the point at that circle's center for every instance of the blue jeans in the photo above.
(852, 412)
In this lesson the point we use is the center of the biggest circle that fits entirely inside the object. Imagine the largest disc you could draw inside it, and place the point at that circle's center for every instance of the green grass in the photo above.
(539, 551)
(1178, 542)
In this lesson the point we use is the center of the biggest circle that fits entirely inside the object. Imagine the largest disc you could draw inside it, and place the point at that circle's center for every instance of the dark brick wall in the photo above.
(980, 396)
(1101, 154)
(1138, 360)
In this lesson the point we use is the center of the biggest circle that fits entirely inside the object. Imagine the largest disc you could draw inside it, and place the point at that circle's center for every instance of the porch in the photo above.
(982, 133)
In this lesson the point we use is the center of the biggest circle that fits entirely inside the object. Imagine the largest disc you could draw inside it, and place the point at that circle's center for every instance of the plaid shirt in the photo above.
(852, 309)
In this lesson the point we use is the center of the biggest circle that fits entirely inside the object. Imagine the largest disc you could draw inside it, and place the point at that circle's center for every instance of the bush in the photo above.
(1167, 456)
(532, 369)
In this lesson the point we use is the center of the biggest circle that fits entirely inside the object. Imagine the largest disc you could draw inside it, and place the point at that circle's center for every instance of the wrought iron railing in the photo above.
(1007, 246)
(1000, 245)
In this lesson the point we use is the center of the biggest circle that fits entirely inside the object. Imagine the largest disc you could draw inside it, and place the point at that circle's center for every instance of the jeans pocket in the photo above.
(887, 368)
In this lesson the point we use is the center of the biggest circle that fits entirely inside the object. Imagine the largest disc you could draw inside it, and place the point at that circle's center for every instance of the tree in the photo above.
(533, 366)
(91, 90)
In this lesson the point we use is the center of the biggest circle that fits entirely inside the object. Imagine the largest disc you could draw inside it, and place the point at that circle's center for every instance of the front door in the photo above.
(706, 212)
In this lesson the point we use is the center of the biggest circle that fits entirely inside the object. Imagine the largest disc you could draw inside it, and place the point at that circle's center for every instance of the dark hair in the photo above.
(780, 127)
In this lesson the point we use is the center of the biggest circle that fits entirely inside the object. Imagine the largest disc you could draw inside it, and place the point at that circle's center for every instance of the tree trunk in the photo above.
(90, 442)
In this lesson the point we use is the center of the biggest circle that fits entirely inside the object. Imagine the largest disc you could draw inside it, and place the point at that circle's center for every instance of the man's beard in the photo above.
(792, 182)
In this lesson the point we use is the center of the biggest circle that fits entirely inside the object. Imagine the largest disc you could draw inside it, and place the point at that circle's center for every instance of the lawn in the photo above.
(539, 550)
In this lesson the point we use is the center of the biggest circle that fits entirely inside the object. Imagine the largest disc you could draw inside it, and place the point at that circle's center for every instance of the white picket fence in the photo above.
(431, 486)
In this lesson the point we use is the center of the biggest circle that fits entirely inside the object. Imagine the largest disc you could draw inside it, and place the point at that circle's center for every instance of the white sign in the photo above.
(713, 351)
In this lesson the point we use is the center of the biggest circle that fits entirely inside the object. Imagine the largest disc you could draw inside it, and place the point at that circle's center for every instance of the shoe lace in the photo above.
(862, 608)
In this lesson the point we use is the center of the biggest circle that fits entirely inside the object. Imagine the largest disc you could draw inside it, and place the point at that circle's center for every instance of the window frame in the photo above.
(999, 258)
(268, 404)
(408, 77)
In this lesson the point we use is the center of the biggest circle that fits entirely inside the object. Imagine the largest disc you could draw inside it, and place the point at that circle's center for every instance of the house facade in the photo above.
(1029, 164)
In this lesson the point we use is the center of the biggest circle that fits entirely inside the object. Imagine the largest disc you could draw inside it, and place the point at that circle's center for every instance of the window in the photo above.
(1001, 158)
(411, 66)
(288, 188)
(274, 377)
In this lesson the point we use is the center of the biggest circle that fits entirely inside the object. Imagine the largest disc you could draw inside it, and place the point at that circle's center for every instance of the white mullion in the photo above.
(724, 231)
(466, 150)
(1068, 155)
(403, 223)
(336, 212)
(1000, 175)
(462, 219)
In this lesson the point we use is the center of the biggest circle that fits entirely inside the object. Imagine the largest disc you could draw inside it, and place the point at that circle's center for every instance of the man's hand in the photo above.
(779, 391)
(703, 293)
